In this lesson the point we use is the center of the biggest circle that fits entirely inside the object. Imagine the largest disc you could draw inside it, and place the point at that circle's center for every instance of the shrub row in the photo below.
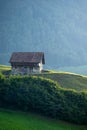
(44, 96)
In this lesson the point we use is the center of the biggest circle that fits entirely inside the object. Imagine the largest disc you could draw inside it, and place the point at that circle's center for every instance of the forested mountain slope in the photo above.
(58, 28)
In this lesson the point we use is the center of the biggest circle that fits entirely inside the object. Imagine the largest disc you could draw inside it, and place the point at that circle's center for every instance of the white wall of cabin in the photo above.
(27, 69)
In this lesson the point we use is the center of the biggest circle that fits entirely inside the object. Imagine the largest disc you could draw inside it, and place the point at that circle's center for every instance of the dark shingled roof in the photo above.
(27, 57)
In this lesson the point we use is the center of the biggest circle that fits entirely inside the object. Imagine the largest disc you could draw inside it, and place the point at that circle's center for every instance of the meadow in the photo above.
(67, 80)
(4, 68)
(17, 120)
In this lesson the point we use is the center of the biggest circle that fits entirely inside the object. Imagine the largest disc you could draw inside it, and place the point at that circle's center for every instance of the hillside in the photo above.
(14, 120)
(68, 80)
(60, 100)
(65, 79)
(4, 68)
(35, 25)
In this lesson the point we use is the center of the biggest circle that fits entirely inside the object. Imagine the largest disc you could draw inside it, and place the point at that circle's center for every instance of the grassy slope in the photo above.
(4, 68)
(12, 120)
(68, 80)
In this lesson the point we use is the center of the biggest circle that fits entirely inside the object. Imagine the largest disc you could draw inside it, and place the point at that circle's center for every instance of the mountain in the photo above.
(58, 28)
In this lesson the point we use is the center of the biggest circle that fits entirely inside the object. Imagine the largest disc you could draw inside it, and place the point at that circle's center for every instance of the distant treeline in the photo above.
(44, 96)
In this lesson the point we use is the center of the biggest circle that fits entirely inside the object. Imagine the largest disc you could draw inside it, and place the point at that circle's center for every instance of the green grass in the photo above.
(4, 68)
(65, 79)
(12, 120)
(68, 80)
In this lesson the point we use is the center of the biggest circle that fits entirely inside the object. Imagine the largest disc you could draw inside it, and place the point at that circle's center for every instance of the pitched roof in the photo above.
(27, 57)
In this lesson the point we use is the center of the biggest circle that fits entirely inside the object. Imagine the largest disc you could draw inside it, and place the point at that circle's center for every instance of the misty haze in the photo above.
(58, 28)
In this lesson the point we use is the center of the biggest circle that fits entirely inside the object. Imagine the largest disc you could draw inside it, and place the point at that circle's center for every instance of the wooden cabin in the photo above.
(27, 62)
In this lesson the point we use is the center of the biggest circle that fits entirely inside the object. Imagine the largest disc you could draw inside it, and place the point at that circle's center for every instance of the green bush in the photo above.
(44, 96)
